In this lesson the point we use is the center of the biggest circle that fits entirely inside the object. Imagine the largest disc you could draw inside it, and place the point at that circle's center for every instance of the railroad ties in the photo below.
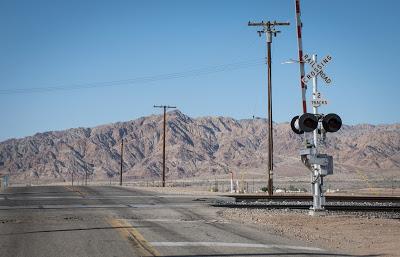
(333, 202)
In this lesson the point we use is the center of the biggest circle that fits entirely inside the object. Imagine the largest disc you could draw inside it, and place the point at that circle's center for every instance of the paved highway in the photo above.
(118, 221)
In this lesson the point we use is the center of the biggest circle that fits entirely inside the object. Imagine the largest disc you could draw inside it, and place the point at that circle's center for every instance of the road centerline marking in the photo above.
(133, 235)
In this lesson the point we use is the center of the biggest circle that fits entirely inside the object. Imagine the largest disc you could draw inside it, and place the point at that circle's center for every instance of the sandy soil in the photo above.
(360, 235)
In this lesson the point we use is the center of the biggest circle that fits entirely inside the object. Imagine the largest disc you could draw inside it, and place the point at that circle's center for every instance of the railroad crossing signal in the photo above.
(308, 122)
(331, 122)
(317, 68)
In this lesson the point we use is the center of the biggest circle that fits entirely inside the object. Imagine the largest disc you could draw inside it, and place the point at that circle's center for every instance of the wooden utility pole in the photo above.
(269, 29)
(122, 161)
(165, 107)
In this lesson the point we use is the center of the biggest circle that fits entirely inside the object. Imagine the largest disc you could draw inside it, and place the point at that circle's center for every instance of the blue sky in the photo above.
(66, 43)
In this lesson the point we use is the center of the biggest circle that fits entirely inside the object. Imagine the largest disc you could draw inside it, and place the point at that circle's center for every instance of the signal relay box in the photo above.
(327, 167)
(323, 160)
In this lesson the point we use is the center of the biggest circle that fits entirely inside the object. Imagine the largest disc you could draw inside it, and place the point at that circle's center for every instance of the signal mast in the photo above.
(319, 124)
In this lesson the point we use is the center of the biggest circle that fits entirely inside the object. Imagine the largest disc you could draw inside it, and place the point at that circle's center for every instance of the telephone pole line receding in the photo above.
(165, 107)
(268, 28)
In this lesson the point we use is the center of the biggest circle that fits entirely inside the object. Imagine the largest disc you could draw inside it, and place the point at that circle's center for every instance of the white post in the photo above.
(232, 182)
(317, 199)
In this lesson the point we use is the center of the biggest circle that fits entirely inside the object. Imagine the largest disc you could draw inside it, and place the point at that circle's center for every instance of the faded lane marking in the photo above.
(104, 206)
(178, 221)
(26, 198)
(76, 190)
(70, 206)
(141, 245)
(169, 206)
(153, 196)
(241, 245)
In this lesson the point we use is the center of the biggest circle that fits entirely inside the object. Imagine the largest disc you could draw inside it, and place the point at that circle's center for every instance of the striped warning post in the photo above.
(300, 46)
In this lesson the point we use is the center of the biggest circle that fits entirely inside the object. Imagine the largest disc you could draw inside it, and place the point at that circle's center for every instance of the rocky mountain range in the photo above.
(195, 147)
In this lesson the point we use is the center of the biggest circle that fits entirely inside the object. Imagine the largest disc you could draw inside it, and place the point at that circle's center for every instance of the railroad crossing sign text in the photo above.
(317, 68)
(318, 100)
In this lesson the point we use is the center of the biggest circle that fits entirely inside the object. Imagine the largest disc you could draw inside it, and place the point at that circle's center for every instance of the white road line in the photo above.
(176, 221)
(156, 196)
(26, 198)
(179, 205)
(241, 245)
(74, 206)
(98, 197)
(71, 206)
(84, 206)
(163, 220)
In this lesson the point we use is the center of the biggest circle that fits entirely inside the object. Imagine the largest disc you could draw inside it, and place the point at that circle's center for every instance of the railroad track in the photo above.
(304, 198)
(375, 208)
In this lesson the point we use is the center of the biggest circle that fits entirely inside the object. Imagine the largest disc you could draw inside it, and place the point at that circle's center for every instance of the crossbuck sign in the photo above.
(317, 68)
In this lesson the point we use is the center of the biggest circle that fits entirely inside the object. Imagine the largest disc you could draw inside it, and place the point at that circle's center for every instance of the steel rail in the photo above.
(369, 208)
(328, 198)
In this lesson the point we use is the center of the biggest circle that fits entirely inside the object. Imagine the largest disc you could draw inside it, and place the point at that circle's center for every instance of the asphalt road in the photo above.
(114, 221)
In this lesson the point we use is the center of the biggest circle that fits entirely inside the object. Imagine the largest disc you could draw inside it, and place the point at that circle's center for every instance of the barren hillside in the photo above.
(195, 147)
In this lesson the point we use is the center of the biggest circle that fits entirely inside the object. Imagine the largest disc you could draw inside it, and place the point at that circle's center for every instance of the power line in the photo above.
(139, 80)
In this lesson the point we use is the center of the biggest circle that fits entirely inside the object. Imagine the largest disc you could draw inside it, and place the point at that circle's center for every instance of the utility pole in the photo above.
(72, 179)
(122, 160)
(165, 107)
(268, 28)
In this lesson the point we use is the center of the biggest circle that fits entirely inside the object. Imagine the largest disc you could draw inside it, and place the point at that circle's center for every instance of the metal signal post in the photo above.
(269, 30)
(165, 107)
(317, 179)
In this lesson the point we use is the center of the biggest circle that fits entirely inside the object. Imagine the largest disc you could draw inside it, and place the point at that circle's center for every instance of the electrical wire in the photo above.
(146, 79)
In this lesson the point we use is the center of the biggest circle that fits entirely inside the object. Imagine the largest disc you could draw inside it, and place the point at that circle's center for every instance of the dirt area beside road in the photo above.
(351, 233)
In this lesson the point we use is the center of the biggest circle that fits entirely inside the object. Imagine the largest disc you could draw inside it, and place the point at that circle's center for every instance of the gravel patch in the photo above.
(358, 233)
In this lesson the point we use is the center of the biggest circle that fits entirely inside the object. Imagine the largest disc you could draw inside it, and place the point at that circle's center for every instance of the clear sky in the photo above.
(96, 43)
